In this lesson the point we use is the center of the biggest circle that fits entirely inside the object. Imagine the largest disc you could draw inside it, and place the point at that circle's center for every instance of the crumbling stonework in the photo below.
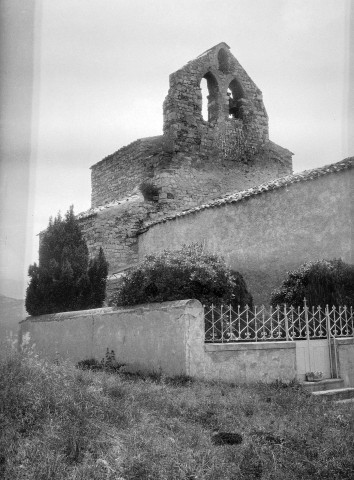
(196, 160)
(115, 230)
(120, 174)
(237, 123)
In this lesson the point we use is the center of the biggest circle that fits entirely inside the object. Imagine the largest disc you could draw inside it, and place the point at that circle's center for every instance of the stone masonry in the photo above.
(195, 161)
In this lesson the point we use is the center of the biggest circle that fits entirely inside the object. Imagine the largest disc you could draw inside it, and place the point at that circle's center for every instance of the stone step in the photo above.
(326, 384)
(335, 394)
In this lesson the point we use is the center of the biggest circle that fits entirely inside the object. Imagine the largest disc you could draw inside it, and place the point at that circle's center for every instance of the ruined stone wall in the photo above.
(182, 180)
(229, 136)
(114, 229)
(120, 174)
(264, 234)
(197, 160)
(188, 182)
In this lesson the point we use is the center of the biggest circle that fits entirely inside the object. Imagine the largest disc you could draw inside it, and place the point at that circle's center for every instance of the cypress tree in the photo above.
(65, 279)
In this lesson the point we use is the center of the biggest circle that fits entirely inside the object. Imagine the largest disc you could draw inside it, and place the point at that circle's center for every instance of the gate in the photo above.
(314, 331)
(313, 357)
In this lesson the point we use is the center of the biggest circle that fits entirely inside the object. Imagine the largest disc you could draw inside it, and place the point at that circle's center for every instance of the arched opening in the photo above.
(236, 97)
(223, 61)
(205, 93)
(209, 88)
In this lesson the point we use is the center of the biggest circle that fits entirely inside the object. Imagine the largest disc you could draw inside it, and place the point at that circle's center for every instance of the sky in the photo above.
(82, 78)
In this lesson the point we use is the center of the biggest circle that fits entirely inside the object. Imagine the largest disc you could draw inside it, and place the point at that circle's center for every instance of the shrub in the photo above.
(149, 190)
(186, 273)
(65, 279)
(324, 282)
(108, 363)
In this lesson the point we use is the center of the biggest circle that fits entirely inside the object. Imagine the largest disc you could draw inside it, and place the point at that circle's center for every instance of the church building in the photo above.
(219, 181)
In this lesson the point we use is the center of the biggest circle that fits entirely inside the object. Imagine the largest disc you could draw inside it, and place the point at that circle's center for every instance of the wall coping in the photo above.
(344, 341)
(59, 317)
(133, 198)
(221, 347)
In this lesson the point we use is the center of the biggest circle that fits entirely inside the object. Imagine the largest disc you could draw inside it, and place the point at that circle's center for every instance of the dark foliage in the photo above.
(149, 190)
(187, 273)
(324, 282)
(97, 276)
(65, 279)
(108, 363)
(89, 364)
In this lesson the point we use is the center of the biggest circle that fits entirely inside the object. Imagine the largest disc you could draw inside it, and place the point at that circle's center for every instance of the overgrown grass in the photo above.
(58, 422)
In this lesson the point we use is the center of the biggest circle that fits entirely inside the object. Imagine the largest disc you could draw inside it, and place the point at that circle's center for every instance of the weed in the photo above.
(60, 422)
(108, 363)
(149, 190)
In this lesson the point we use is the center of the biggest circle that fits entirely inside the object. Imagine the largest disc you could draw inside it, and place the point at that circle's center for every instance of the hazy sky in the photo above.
(100, 73)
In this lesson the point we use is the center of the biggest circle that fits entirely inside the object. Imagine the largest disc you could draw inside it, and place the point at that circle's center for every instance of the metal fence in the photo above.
(226, 324)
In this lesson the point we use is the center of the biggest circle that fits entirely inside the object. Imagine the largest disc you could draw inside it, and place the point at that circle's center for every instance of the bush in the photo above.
(149, 191)
(65, 279)
(181, 274)
(108, 363)
(324, 282)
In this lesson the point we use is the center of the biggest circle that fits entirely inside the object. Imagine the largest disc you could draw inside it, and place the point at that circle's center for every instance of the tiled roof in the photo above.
(93, 211)
(264, 187)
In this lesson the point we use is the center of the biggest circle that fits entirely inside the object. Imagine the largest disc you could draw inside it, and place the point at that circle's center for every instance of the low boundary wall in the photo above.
(147, 338)
(250, 362)
(168, 338)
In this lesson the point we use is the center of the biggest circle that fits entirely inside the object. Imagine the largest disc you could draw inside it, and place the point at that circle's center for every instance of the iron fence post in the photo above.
(222, 324)
(307, 333)
(286, 323)
(328, 328)
(255, 322)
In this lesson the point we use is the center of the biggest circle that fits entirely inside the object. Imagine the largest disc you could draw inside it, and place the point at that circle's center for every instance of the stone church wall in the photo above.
(232, 136)
(266, 234)
(182, 180)
(115, 230)
(186, 182)
(197, 160)
(117, 175)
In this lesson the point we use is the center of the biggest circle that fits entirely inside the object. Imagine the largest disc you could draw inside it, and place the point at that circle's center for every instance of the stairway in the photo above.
(331, 389)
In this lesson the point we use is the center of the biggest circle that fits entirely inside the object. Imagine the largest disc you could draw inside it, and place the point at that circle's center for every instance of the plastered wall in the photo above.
(252, 362)
(166, 338)
(147, 338)
(265, 235)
